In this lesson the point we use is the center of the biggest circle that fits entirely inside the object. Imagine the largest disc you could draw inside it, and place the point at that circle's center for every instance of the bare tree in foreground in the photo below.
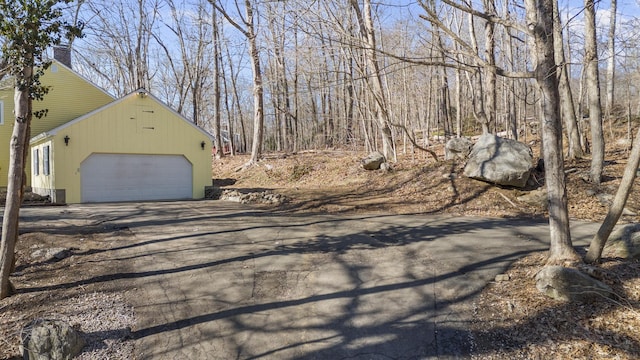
(540, 25)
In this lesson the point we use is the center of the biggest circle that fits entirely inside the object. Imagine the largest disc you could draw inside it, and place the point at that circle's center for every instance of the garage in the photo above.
(135, 177)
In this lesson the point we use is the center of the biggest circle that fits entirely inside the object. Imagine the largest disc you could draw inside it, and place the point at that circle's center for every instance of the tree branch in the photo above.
(413, 141)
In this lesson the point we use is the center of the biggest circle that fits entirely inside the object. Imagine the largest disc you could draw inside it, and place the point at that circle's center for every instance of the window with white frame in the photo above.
(35, 162)
(45, 161)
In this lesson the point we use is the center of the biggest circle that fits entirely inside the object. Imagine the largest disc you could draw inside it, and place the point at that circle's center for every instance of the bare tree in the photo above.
(367, 33)
(599, 240)
(247, 27)
(118, 43)
(611, 60)
(566, 96)
(216, 86)
(593, 90)
(540, 24)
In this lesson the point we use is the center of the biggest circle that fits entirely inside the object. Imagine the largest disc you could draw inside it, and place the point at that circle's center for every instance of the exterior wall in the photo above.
(42, 181)
(70, 96)
(133, 125)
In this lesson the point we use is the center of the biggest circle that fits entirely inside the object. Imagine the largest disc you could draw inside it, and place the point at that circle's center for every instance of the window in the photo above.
(35, 162)
(45, 161)
(1, 112)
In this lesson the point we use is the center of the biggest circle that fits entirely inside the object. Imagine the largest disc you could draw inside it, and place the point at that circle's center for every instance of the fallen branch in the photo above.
(509, 201)
(413, 141)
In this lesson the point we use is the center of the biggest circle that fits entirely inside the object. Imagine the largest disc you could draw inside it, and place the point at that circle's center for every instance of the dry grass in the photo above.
(513, 319)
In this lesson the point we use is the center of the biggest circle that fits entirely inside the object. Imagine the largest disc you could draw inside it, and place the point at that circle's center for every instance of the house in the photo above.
(70, 96)
(93, 148)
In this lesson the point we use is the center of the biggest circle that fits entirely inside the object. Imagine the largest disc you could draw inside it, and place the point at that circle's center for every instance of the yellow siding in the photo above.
(134, 125)
(70, 96)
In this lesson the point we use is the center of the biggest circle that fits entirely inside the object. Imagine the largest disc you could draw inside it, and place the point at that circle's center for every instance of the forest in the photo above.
(294, 75)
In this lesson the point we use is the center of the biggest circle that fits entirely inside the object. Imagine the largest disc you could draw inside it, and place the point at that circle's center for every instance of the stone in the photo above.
(45, 339)
(373, 161)
(502, 277)
(499, 161)
(385, 166)
(624, 242)
(51, 254)
(537, 197)
(568, 284)
(457, 148)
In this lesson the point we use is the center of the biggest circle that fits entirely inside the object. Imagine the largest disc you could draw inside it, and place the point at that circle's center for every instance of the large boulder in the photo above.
(373, 161)
(624, 242)
(500, 161)
(457, 148)
(568, 284)
(50, 340)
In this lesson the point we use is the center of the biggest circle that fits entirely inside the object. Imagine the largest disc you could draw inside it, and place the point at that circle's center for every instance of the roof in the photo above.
(54, 131)
(7, 82)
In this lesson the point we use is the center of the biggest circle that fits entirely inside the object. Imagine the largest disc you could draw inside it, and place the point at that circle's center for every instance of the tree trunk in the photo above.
(216, 87)
(15, 185)
(611, 61)
(593, 90)
(258, 91)
(490, 92)
(566, 96)
(369, 42)
(600, 239)
(540, 23)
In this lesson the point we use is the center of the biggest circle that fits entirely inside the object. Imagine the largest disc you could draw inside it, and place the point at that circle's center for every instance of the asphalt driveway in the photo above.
(216, 280)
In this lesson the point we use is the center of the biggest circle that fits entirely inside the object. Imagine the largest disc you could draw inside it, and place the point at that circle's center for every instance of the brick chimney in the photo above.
(62, 53)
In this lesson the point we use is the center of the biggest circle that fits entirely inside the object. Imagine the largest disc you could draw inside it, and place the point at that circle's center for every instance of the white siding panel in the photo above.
(133, 177)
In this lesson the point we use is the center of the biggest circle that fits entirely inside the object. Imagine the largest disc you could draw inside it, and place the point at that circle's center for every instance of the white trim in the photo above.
(1, 112)
(35, 162)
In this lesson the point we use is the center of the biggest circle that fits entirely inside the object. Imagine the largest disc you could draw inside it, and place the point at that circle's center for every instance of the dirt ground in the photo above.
(511, 313)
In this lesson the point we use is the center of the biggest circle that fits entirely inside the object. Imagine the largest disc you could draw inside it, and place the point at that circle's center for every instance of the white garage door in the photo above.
(129, 177)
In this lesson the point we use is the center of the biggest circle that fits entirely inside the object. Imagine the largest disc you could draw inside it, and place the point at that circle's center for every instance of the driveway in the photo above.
(216, 280)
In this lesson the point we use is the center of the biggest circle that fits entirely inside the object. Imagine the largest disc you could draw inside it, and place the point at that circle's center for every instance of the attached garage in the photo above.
(134, 149)
(134, 177)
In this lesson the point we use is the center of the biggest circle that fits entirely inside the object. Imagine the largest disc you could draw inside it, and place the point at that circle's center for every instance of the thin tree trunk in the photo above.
(593, 89)
(600, 239)
(611, 61)
(566, 97)
(216, 87)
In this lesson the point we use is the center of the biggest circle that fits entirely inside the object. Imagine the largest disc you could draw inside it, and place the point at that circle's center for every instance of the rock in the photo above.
(385, 167)
(502, 277)
(567, 284)
(537, 197)
(457, 148)
(51, 254)
(46, 339)
(605, 199)
(373, 161)
(259, 197)
(624, 242)
(499, 161)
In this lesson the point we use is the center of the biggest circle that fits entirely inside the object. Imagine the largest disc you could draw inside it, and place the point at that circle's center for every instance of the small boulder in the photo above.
(567, 284)
(457, 148)
(44, 339)
(537, 198)
(499, 161)
(373, 161)
(624, 242)
(51, 254)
